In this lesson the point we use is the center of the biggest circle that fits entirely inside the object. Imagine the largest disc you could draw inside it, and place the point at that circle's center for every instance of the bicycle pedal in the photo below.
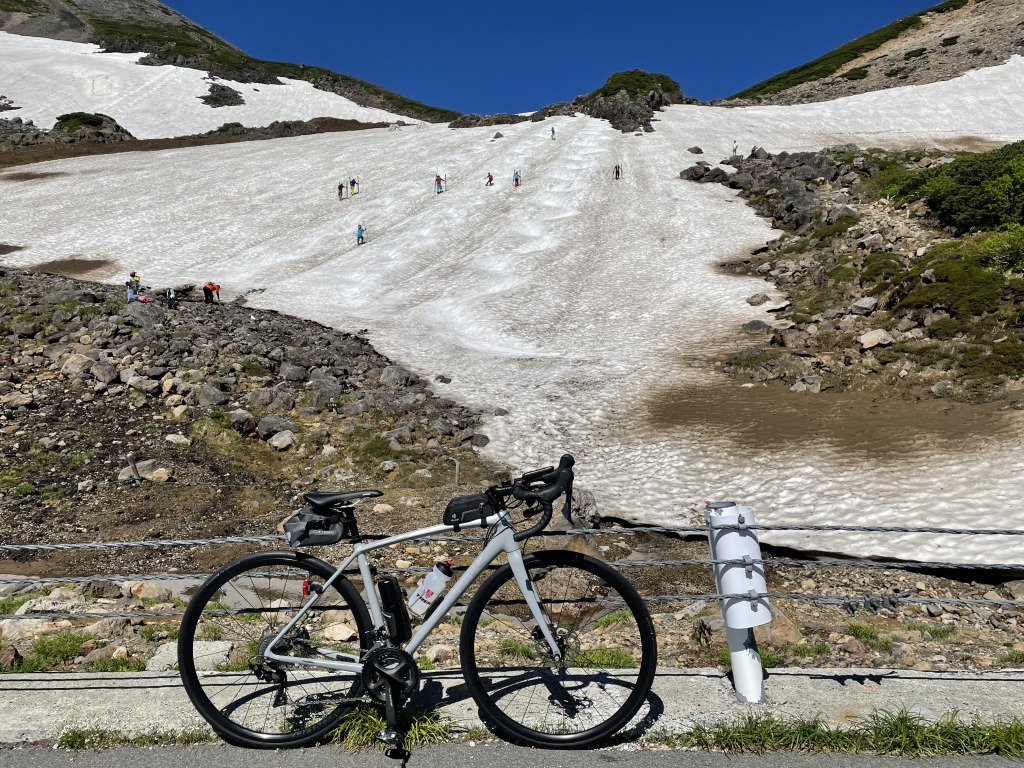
(390, 737)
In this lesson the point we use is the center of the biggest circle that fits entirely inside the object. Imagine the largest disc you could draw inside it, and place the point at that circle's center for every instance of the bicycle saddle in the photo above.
(328, 499)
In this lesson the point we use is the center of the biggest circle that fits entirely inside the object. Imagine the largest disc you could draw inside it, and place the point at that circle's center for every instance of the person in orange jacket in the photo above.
(210, 290)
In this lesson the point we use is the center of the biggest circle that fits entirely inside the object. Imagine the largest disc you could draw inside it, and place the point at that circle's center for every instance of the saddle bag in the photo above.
(310, 528)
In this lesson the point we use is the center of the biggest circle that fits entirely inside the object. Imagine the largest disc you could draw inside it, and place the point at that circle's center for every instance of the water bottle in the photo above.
(430, 588)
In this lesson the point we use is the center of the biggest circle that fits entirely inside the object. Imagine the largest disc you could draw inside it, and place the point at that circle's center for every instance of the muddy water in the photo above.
(883, 424)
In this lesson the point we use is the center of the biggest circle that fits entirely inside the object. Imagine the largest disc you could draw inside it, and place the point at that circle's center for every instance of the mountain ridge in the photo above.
(937, 43)
(168, 37)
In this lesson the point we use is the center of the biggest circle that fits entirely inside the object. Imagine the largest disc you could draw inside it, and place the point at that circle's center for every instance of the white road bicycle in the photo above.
(557, 648)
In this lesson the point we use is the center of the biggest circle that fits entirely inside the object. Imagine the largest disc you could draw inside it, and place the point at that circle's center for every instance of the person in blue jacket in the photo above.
(360, 235)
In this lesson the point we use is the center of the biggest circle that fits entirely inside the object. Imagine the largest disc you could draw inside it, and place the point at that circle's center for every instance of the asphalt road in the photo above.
(462, 756)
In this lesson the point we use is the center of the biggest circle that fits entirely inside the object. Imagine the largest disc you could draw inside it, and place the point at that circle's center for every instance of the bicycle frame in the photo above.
(502, 541)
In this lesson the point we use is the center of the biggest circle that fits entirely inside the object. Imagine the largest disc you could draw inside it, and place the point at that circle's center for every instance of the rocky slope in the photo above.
(237, 409)
(847, 260)
(948, 42)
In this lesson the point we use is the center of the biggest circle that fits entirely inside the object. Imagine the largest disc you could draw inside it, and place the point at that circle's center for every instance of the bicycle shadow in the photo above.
(448, 689)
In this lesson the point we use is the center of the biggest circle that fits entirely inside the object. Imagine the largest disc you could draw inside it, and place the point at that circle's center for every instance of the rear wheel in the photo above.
(606, 640)
(229, 623)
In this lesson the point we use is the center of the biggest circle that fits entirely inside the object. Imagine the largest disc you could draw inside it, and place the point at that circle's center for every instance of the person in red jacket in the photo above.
(210, 290)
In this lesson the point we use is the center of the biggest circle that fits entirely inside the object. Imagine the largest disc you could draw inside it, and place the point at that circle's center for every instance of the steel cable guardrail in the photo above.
(850, 603)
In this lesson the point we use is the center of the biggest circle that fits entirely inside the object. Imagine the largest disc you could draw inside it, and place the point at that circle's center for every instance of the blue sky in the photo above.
(503, 56)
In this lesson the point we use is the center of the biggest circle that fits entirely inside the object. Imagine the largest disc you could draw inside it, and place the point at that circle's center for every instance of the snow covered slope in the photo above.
(568, 301)
(47, 78)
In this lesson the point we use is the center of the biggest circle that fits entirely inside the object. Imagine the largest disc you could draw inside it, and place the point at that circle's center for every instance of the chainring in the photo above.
(384, 665)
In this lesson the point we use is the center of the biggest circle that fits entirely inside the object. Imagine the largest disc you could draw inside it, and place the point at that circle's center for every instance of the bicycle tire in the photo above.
(608, 645)
(219, 654)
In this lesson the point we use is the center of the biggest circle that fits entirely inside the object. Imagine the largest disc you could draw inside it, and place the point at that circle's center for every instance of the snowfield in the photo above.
(48, 78)
(571, 301)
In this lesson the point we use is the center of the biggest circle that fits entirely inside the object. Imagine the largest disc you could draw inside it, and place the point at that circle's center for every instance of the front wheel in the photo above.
(606, 641)
(249, 700)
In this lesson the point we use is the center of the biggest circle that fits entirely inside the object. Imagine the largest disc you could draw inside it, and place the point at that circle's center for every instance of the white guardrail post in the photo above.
(741, 614)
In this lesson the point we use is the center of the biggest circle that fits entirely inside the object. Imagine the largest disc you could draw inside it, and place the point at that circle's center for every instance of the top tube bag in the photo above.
(465, 510)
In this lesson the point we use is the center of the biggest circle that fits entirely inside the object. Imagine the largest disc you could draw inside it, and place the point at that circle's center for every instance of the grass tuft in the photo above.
(100, 738)
(421, 728)
(891, 733)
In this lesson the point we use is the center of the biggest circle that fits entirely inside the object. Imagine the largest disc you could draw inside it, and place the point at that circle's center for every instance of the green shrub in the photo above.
(74, 121)
(110, 664)
(21, 6)
(880, 266)
(637, 81)
(914, 54)
(965, 286)
(946, 328)
(887, 181)
(252, 368)
(378, 448)
(1004, 247)
(895, 71)
(516, 649)
(948, 41)
(148, 631)
(838, 227)
(974, 192)
(813, 649)
(1004, 359)
(937, 631)
(857, 73)
(869, 636)
(51, 651)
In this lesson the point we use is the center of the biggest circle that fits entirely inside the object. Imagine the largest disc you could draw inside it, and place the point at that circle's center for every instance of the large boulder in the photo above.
(397, 376)
(271, 424)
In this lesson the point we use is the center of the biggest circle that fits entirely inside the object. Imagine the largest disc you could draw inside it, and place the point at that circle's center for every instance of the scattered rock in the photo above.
(878, 337)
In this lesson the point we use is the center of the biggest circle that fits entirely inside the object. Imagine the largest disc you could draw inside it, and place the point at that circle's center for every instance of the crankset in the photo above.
(390, 677)
(392, 668)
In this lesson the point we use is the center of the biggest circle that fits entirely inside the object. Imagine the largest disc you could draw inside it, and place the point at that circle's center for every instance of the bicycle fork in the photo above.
(515, 560)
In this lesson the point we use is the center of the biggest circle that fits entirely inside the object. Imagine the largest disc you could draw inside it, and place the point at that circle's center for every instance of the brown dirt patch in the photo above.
(4, 248)
(76, 267)
(41, 153)
(884, 421)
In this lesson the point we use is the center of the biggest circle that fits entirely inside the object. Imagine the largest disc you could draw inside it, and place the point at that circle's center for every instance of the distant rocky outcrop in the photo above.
(476, 121)
(627, 113)
(221, 95)
(72, 128)
(626, 110)
(6, 104)
(561, 109)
